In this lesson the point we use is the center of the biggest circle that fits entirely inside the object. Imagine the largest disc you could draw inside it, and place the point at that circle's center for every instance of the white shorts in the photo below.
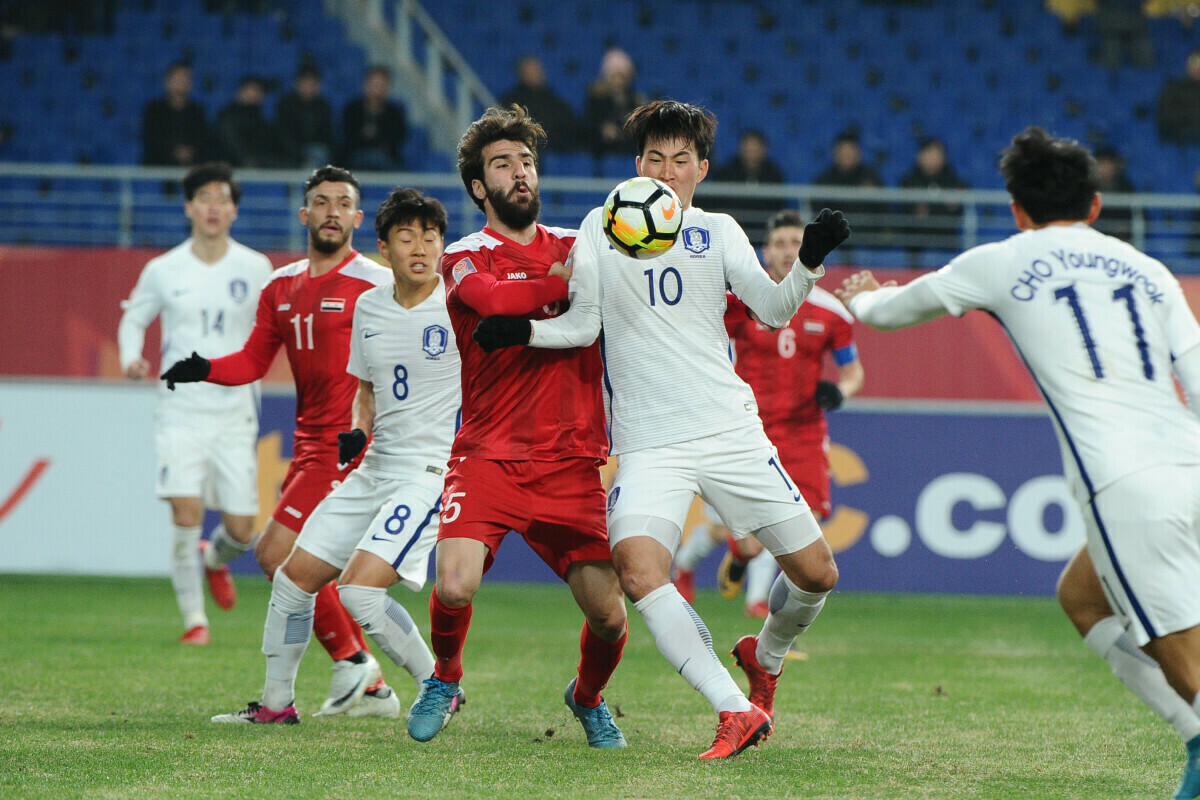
(214, 458)
(738, 473)
(1143, 534)
(395, 518)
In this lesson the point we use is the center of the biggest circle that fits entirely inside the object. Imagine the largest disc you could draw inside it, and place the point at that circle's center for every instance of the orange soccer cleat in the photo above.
(762, 683)
(738, 730)
(197, 634)
(220, 583)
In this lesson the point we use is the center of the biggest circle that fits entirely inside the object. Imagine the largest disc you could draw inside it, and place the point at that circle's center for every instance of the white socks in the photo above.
(792, 611)
(698, 545)
(285, 638)
(186, 575)
(1142, 675)
(223, 548)
(685, 642)
(390, 626)
(760, 573)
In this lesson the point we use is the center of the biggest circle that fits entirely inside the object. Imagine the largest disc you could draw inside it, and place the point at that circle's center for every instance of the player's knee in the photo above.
(823, 579)
(364, 603)
(637, 582)
(455, 590)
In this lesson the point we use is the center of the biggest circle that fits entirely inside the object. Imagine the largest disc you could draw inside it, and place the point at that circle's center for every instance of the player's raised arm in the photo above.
(888, 306)
(143, 305)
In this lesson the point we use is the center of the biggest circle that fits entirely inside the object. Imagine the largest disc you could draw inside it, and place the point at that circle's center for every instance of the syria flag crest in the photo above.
(333, 304)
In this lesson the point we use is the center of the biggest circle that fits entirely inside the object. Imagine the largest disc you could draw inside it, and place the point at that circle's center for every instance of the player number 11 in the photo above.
(1124, 294)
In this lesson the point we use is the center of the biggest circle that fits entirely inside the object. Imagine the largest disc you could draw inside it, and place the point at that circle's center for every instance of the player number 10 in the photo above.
(669, 292)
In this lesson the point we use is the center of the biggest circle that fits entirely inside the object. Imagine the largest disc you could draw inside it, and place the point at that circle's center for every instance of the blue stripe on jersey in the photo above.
(1091, 489)
(608, 391)
(845, 355)
(437, 507)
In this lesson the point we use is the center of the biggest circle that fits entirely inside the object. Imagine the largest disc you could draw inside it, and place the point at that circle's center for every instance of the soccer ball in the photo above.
(642, 217)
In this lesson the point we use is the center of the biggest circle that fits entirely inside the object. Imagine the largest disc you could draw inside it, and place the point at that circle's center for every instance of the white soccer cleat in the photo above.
(350, 682)
(381, 702)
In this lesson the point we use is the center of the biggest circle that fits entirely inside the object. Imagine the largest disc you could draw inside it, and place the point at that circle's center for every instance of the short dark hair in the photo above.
(1051, 178)
(333, 175)
(308, 71)
(203, 174)
(380, 69)
(496, 125)
(666, 120)
(406, 205)
(787, 218)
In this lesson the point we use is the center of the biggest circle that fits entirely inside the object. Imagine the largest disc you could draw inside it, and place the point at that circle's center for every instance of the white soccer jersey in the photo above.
(208, 308)
(668, 376)
(1099, 324)
(410, 357)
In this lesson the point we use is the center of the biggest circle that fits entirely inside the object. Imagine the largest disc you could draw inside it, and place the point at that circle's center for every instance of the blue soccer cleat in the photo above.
(1189, 785)
(597, 722)
(433, 708)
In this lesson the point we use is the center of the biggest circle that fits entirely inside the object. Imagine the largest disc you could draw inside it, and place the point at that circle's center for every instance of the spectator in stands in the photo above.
(1179, 105)
(374, 125)
(609, 101)
(752, 165)
(174, 128)
(305, 121)
(934, 225)
(1124, 33)
(846, 168)
(555, 114)
(1111, 179)
(247, 137)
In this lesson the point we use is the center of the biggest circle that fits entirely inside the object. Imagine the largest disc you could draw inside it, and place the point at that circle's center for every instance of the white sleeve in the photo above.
(1187, 369)
(580, 325)
(356, 365)
(773, 303)
(899, 306)
(143, 305)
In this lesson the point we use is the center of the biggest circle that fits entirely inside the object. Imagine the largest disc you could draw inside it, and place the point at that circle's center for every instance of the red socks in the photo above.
(598, 660)
(336, 630)
(448, 633)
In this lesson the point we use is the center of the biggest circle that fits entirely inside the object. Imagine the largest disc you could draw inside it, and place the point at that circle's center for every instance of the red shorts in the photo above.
(807, 463)
(556, 506)
(312, 474)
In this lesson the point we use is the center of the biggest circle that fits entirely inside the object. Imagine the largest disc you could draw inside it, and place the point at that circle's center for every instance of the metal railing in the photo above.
(55, 204)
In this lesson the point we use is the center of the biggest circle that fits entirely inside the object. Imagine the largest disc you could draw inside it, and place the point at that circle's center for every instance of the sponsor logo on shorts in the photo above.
(434, 470)
(612, 498)
(695, 239)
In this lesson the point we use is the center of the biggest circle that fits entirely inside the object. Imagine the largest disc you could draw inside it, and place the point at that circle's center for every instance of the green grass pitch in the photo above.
(902, 696)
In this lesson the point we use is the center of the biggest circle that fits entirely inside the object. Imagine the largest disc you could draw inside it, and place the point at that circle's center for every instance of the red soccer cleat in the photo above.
(685, 582)
(762, 683)
(197, 634)
(738, 730)
(220, 583)
(758, 610)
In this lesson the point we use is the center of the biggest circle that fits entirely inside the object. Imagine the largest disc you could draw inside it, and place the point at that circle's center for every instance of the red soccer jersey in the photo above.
(520, 403)
(312, 318)
(783, 367)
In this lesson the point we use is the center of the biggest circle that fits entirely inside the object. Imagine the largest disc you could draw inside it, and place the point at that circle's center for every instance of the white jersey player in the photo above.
(683, 423)
(379, 526)
(205, 293)
(1101, 327)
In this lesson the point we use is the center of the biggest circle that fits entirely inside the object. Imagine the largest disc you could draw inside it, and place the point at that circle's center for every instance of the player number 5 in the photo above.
(453, 509)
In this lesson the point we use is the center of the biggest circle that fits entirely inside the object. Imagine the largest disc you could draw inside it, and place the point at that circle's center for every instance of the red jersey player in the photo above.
(532, 439)
(783, 367)
(308, 309)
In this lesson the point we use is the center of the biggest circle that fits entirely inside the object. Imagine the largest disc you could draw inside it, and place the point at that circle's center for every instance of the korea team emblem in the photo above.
(695, 239)
(435, 340)
(238, 290)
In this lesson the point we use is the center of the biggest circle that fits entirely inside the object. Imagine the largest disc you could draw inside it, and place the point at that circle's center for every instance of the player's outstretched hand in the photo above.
(192, 369)
(495, 332)
(858, 283)
(350, 444)
(821, 236)
(828, 395)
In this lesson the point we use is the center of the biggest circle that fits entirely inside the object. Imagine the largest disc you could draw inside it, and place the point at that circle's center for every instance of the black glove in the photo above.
(192, 369)
(492, 333)
(828, 395)
(350, 444)
(821, 235)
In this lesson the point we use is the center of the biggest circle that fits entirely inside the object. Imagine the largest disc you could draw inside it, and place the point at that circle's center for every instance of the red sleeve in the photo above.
(843, 332)
(254, 359)
(488, 296)
(736, 313)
